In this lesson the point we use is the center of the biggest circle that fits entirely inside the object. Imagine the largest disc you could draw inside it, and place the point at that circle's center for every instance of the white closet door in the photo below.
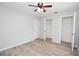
(49, 28)
(67, 29)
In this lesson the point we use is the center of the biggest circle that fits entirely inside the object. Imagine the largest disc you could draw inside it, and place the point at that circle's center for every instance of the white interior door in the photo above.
(49, 28)
(67, 29)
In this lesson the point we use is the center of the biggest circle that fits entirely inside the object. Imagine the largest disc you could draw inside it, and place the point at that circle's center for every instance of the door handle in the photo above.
(72, 33)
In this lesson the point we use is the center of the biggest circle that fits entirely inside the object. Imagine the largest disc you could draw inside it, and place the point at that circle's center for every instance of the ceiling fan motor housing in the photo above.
(40, 4)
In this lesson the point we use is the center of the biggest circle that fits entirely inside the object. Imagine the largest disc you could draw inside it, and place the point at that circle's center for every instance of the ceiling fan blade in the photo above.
(33, 5)
(46, 6)
(35, 10)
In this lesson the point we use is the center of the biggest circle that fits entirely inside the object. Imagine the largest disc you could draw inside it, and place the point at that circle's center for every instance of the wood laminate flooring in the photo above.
(40, 48)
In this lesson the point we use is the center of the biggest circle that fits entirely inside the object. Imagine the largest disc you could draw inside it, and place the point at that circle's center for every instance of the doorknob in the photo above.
(72, 33)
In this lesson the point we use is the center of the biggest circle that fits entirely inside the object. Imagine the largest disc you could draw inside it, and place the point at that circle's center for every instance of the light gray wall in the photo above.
(16, 27)
(36, 28)
(42, 28)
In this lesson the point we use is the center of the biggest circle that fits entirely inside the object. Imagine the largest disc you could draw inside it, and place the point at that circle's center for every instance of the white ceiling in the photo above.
(57, 7)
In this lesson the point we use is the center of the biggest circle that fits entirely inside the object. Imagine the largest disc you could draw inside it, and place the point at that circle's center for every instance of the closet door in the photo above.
(67, 29)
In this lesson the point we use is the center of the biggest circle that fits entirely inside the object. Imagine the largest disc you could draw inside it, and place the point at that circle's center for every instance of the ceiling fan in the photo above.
(40, 6)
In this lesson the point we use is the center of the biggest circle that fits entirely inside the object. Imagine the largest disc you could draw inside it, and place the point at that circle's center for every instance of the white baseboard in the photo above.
(16, 45)
(56, 41)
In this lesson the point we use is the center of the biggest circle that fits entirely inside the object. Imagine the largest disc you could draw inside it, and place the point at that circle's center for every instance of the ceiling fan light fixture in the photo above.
(39, 9)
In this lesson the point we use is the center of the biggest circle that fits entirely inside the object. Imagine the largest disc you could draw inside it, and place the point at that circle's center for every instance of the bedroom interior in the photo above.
(39, 29)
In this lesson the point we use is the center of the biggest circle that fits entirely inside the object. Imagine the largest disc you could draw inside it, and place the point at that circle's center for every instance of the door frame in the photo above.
(73, 30)
(44, 29)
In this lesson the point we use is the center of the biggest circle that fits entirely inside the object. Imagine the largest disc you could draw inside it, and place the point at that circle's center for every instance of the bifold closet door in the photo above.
(48, 28)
